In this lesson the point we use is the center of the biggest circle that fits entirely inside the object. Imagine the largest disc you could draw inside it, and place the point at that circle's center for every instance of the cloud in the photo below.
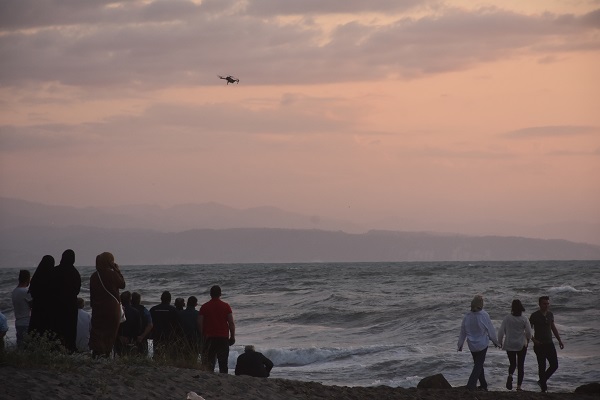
(165, 122)
(551, 131)
(152, 45)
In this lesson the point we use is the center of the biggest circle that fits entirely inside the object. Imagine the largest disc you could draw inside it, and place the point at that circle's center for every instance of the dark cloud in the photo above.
(141, 45)
(551, 131)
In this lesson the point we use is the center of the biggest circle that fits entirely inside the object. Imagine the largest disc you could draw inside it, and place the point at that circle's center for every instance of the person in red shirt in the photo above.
(215, 322)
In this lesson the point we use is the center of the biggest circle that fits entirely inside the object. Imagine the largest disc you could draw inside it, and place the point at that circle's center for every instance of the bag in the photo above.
(123, 318)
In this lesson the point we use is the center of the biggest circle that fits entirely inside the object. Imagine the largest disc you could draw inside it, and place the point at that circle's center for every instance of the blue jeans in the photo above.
(477, 374)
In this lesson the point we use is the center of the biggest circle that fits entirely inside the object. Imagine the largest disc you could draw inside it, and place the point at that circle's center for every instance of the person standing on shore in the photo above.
(42, 294)
(21, 301)
(106, 307)
(517, 330)
(84, 324)
(166, 327)
(542, 322)
(67, 283)
(478, 329)
(215, 323)
(3, 330)
(147, 325)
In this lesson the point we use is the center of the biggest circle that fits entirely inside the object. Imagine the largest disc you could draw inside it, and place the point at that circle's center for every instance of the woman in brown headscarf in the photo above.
(106, 308)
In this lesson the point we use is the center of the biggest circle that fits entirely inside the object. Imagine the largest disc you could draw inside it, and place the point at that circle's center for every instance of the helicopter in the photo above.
(229, 79)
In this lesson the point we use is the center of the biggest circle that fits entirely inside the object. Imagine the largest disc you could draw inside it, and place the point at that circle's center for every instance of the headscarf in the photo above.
(41, 277)
(105, 261)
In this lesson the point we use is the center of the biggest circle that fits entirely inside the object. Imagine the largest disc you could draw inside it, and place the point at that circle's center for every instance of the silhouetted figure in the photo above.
(179, 304)
(130, 329)
(67, 283)
(106, 306)
(147, 324)
(253, 363)
(166, 327)
(189, 323)
(42, 295)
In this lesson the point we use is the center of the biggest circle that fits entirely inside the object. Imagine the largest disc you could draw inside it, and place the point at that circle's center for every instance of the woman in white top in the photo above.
(514, 336)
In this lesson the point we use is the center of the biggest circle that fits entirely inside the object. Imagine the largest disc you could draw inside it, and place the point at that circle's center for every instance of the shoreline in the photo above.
(111, 380)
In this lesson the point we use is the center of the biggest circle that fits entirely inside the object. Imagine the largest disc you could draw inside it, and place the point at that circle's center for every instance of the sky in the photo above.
(424, 111)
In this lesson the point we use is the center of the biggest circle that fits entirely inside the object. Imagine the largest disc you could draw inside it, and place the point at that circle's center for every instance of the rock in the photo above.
(434, 382)
(590, 388)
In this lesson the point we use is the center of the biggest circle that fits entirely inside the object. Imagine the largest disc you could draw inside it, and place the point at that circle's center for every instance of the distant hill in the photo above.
(25, 246)
(219, 234)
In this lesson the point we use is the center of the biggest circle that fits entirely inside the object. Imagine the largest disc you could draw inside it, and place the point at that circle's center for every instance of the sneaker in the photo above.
(543, 386)
(482, 389)
(509, 382)
(519, 388)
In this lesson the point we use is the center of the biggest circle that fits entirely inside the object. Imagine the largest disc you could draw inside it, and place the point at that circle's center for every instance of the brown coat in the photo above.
(106, 309)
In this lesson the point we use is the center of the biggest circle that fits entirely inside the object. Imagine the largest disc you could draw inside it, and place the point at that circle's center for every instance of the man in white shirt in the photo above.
(478, 329)
(21, 301)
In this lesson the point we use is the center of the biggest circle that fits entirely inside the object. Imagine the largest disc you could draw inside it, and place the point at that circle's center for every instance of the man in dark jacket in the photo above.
(253, 363)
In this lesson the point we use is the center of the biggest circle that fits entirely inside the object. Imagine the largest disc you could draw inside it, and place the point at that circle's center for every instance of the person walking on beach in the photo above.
(478, 329)
(147, 325)
(542, 322)
(253, 363)
(67, 283)
(21, 301)
(106, 307)
(42, 295)
(517, 330)
(215, 322)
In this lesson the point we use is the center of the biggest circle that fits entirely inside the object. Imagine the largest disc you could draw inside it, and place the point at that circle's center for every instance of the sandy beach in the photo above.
(108, 380)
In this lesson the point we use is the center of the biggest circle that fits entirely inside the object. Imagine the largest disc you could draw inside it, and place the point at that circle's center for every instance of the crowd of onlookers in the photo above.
(46, 305)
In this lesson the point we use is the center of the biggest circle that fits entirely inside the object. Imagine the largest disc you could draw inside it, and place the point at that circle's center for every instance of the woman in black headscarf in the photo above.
(67, 283)
(42, 293)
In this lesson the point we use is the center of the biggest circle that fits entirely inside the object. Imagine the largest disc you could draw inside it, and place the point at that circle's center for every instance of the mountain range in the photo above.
(215, 233)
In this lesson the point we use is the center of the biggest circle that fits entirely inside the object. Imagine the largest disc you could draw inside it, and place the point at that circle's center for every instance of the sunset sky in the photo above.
(436, 113)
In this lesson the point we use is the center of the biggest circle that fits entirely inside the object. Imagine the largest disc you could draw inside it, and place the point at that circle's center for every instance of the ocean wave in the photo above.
(566, 289)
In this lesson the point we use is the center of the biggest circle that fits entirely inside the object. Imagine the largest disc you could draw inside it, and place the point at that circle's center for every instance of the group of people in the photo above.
(514, 335)
(48, 305)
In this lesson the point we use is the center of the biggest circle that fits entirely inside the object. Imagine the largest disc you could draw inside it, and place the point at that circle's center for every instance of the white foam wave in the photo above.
(567, 288)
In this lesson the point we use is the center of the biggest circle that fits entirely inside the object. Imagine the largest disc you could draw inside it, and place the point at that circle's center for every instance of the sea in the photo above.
(371, 324)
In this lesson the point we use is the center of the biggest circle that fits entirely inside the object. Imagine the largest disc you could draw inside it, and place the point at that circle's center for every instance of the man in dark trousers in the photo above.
(253, 363)
(542, 322)
(215, 322)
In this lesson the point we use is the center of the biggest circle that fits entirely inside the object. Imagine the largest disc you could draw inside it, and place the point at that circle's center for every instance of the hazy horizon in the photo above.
(433, 114)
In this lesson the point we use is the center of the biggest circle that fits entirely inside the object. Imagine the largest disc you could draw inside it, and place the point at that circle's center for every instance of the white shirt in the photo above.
(517, 330)
(478, 329)
(20, 300)
(84, 325)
